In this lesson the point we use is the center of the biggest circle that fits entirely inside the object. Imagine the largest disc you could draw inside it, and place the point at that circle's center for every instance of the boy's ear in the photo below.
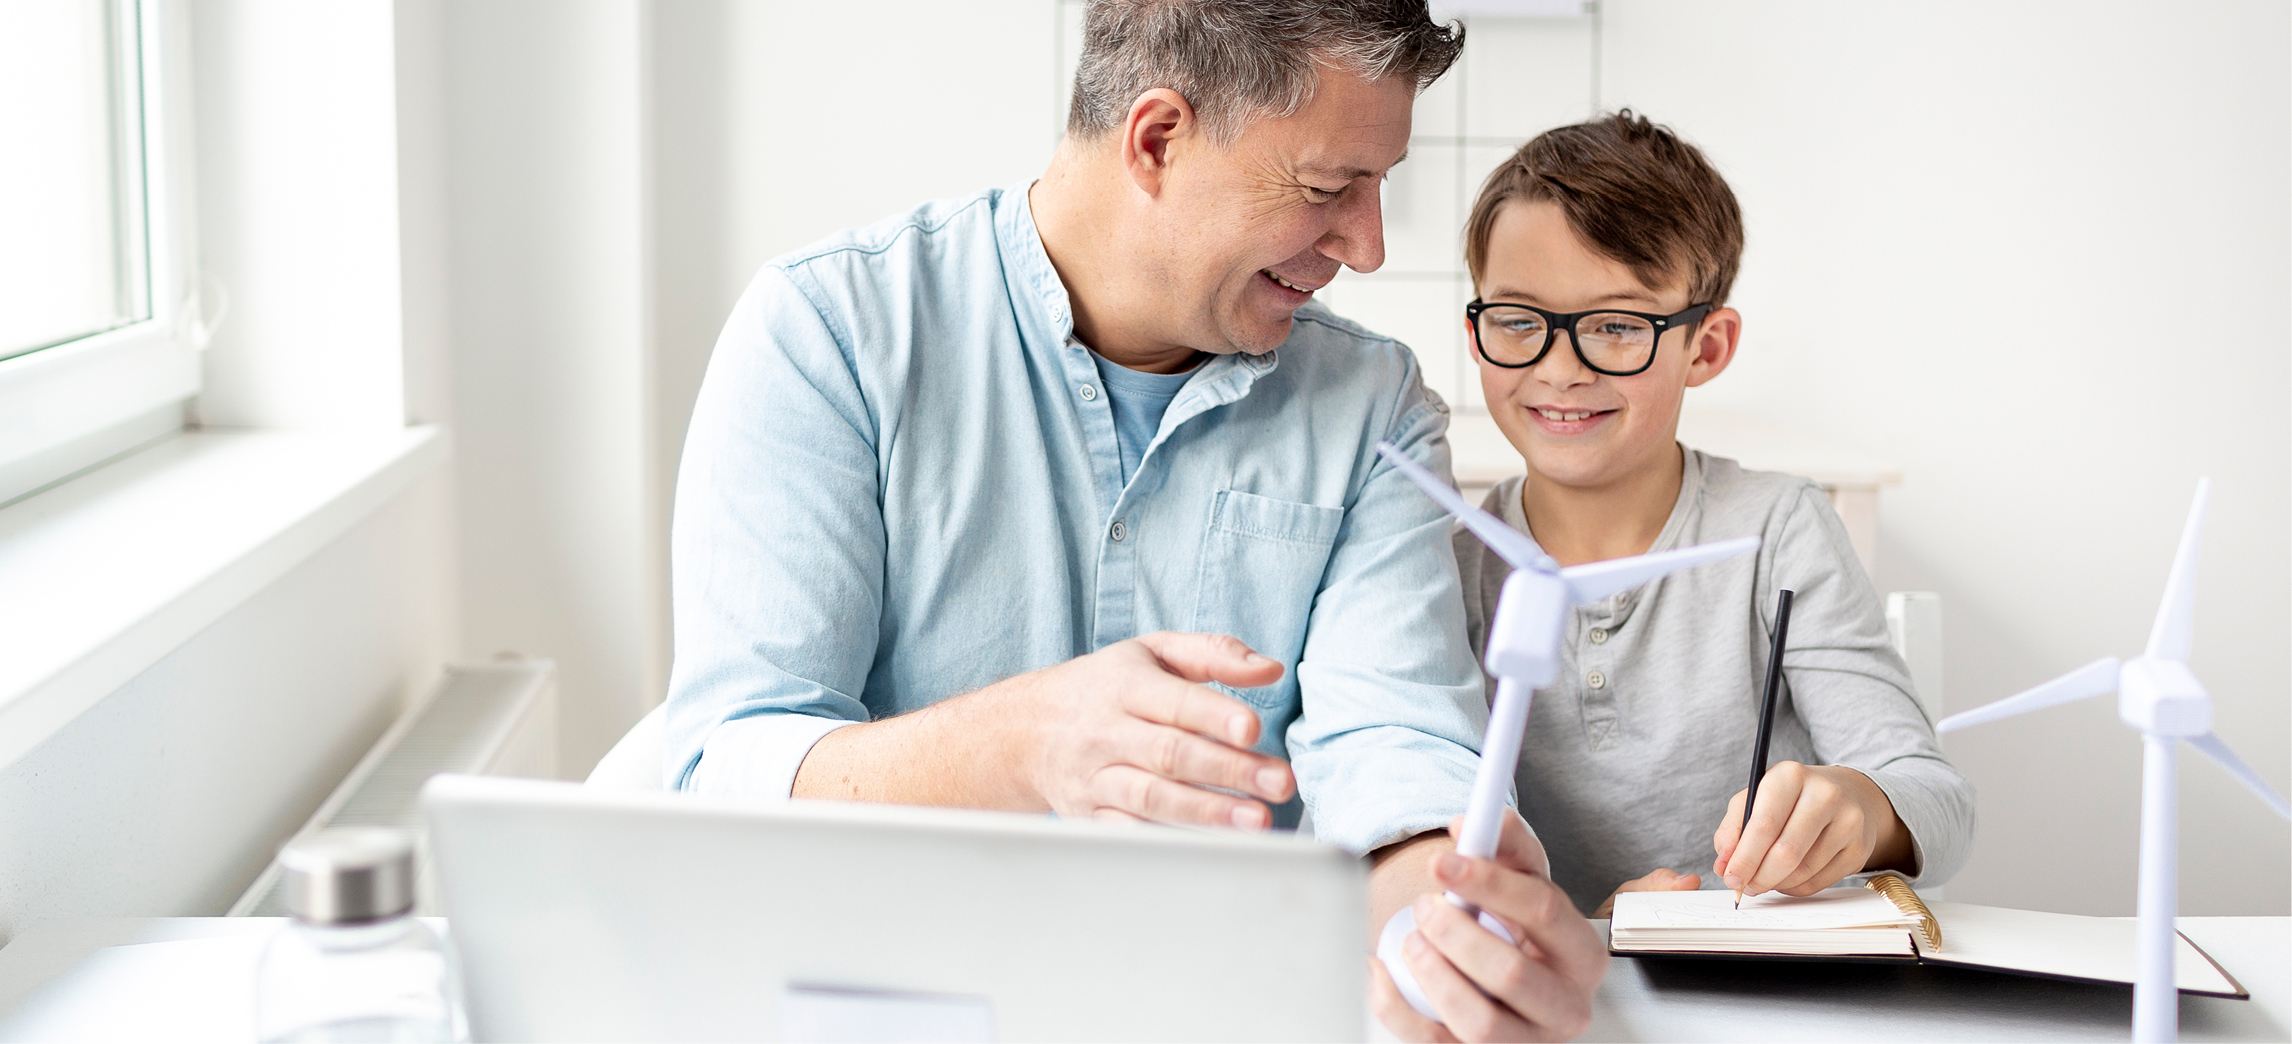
(1714, 345)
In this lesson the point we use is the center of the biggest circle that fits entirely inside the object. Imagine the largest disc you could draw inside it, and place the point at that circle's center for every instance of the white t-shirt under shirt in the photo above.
(1633, 752)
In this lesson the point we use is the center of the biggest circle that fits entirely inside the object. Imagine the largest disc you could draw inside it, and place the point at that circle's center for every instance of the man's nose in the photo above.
(1356, 236)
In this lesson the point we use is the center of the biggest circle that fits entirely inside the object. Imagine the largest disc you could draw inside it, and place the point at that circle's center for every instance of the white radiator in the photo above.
(494, 719)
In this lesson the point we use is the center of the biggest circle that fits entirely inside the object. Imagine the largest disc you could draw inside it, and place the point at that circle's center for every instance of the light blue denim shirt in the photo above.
(903, 483)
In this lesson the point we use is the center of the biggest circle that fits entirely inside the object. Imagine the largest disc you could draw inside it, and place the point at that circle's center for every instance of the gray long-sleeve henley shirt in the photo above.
(1632, 754)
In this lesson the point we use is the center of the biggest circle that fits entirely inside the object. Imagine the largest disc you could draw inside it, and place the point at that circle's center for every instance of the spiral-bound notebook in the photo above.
(1887, 922)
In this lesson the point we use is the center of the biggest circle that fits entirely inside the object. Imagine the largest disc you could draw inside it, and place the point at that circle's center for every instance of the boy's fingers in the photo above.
(1819, 853)
(1778, 795)
(1725, 838)
(1841, 859)
(1793, 849)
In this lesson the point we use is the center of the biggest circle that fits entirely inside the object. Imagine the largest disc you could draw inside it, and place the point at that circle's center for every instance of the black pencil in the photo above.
(1766, 719)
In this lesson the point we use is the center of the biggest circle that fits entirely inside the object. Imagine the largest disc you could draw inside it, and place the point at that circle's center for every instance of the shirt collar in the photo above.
(1021, 244)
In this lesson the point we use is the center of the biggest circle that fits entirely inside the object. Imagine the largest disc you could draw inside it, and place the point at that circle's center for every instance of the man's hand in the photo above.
(1813, 826)
(1483, 987)
(1659, 880)
(1128, 731)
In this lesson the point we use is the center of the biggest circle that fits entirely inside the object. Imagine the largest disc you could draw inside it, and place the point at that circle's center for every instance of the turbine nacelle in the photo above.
(2163, 698)
(1534, 605)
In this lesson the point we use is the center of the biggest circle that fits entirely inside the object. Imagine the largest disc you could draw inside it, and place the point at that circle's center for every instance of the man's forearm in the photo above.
(1399, 873)
(957, 753)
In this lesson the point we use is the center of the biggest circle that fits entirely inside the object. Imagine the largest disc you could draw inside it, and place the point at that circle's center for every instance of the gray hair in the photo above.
(1236, 60)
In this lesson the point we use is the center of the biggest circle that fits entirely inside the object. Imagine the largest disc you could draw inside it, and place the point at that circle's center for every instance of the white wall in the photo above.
(2036, 253)
(170, 795)
(777, 123)
(544, 146)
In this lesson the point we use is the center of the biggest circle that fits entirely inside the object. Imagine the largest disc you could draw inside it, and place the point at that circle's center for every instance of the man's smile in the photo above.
(1296, 288)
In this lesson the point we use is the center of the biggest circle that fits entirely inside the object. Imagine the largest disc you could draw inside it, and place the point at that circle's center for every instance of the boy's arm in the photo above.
(1895, 796)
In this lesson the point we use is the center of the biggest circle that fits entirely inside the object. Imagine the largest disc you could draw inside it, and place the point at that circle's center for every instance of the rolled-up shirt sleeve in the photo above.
(777, 550)
(1854, 693)
(1393, 708)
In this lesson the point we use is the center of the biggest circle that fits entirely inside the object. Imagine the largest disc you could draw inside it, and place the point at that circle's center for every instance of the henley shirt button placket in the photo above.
(1118, 531)
(1090, 393)
(1596, 680)
(1599, 636)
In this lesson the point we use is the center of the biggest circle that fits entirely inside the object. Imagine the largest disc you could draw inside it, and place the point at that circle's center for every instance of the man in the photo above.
(1063, 497)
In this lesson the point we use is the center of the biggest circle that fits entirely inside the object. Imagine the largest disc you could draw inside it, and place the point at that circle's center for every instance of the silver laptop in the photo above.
(617, 915)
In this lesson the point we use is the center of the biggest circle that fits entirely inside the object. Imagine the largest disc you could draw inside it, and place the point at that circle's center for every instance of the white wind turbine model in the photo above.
(2157, 694)
(1523, 654)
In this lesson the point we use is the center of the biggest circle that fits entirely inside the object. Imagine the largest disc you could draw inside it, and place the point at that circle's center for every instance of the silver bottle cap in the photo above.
(345, 875)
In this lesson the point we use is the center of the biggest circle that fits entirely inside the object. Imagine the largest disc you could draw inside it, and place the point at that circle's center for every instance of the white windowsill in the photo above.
(103, 575)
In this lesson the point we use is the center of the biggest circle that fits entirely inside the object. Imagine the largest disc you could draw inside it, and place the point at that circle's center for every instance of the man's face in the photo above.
(1254, 228)
(1573, 425)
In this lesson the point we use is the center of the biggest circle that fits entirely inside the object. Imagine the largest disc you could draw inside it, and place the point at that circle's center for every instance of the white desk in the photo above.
(198, 992)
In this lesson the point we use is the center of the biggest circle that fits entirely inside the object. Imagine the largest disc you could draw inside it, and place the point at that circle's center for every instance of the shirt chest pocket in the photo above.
(1262, 561)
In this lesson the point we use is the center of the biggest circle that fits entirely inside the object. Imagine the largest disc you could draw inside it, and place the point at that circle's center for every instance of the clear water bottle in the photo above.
(353, 964)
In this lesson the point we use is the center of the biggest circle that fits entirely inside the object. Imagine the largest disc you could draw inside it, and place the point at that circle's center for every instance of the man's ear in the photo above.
(1714, 345)
(1159, 120)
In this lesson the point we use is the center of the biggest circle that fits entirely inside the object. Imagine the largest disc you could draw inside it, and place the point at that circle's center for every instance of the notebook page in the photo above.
(1715, 909)
(2066, 945)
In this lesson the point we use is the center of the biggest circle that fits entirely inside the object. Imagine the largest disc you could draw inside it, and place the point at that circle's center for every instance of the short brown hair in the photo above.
(1238, 60)
(1635, 192)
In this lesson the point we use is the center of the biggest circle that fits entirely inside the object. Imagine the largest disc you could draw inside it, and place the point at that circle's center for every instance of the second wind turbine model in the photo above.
(2158, 695)
(1524, 655)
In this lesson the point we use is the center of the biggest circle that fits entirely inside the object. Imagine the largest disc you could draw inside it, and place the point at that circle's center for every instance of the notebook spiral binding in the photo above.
(1897, 891)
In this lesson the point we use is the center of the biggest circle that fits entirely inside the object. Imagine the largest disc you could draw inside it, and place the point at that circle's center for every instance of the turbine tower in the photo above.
(1523, 654)
(2158, 695)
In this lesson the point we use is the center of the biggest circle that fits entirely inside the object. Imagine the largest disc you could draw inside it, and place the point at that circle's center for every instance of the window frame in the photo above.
(73, 405)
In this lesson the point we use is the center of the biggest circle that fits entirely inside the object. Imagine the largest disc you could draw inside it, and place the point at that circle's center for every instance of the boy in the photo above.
(1620, 232)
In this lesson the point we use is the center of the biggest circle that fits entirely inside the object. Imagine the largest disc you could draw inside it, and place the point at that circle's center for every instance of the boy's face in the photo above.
(1573, 425)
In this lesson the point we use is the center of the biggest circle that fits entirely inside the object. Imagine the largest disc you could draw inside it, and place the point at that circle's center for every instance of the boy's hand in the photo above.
(1813, 825)
(1657, 881)
(1485, 988)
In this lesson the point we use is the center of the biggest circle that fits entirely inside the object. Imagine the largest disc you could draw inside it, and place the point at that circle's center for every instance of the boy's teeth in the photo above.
(1565, 415)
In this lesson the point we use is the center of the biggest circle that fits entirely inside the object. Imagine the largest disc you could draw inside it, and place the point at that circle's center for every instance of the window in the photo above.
(95, 352)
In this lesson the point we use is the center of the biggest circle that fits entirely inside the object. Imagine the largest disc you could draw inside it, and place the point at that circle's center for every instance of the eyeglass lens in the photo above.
(1611, 341)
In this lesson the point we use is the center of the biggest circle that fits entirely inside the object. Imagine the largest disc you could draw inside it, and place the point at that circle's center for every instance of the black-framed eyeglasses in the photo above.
(1616, 343)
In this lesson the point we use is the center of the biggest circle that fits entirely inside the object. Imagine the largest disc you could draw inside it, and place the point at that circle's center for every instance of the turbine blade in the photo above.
(1593, 581)
(2098, 678)
(2213, 748)
(2169, 639)
(1509, 544)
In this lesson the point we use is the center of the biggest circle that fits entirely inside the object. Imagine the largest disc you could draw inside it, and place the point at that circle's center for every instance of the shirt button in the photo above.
(1599, 636)
(1118, 531)
(1089, 393)
(1596, 680)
